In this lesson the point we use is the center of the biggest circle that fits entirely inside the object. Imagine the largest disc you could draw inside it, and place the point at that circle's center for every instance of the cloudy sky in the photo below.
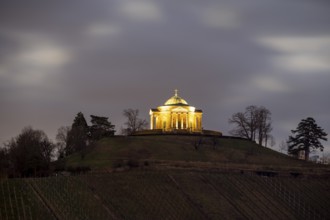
(59, 57)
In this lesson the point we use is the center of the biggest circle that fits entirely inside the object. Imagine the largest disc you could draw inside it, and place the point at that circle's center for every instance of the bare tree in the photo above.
(62, 140)
(263, 125)
(325, 159)
(242, 128)
(253, 124)
(133, 123)
(197, 142)
(283, 146)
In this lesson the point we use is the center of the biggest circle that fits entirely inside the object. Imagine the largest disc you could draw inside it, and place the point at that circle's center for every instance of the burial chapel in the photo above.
(176, 116)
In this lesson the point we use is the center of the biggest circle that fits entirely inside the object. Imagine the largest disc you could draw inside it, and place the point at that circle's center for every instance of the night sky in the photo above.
(59, 57)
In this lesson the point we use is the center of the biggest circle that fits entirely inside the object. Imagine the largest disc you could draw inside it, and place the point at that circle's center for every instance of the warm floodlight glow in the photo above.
(176, 114)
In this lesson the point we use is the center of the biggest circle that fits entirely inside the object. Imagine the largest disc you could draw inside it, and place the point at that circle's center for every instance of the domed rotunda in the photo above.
(176, 115)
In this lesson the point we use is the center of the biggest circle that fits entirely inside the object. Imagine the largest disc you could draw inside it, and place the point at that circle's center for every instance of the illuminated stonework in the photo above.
(176, 115)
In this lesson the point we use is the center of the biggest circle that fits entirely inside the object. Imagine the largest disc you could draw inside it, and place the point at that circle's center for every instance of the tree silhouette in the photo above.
(101, 127)
(30, 153)
(306, 137)
(77, 139)
(254, 124)
(62, 140)
(4, 161)
(133, 123)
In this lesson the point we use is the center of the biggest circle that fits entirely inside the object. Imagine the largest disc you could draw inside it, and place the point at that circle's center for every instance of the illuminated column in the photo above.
(197, 122)
(184, 120)
(177, 121)
(151, 121)
(171, 120)
(181, 118)
(187, 121)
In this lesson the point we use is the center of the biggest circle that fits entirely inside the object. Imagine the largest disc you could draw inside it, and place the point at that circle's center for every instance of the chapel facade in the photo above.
(176, 116)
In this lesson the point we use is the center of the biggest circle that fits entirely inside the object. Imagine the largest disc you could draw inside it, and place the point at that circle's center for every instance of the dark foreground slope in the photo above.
(165, 194)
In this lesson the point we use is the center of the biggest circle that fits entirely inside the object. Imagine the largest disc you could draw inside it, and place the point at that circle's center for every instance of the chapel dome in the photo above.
(176, 100)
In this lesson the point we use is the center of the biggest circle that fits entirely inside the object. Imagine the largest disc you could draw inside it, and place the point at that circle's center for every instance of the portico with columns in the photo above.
(176, 115)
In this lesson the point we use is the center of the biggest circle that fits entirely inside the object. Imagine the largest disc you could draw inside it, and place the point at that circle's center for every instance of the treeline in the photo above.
(31, 152)
(255, 124)
(80, 135)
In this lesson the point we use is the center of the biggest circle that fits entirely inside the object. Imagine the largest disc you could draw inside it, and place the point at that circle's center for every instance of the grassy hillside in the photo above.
(166, 194)
(176, 177)
(185, 151)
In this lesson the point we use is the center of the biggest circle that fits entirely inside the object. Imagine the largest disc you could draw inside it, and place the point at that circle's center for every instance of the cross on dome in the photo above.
(176, 100)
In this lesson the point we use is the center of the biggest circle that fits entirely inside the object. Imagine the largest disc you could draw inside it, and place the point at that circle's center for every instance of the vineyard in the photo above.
(165, 194)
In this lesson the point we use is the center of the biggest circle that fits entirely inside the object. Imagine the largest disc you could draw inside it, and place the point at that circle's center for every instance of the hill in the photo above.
(174, 177)
(187, 151)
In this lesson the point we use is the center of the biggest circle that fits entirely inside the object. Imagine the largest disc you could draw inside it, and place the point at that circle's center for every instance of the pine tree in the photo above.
(101, 127)
(80, 121)
(78, 135)
(307, 137)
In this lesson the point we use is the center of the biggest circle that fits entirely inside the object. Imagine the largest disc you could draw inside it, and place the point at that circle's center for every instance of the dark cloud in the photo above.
(99, 57)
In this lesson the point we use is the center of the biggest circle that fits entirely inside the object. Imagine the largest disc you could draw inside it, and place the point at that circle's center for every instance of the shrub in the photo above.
(118, 164)
(295, 174)
(133, 163)
(78, 169)
(266, 173)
